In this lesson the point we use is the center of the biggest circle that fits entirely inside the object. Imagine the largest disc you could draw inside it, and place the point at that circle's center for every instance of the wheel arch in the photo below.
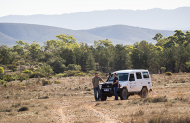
(144, 87)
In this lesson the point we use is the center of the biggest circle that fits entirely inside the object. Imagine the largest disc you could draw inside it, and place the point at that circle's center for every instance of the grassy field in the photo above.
(72, 100)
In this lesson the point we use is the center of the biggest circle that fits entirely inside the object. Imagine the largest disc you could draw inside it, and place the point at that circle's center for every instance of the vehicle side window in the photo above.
(132, 77)
(145, 74)
(138, 74)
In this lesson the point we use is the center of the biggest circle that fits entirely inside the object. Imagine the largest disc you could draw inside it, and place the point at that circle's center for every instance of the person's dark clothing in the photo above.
(115, 92)
(96, 89)
(115, 85)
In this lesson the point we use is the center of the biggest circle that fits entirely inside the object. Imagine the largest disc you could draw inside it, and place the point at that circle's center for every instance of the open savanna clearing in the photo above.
(72, 101)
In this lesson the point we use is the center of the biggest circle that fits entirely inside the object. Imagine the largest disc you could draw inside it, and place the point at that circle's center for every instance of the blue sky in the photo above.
(49, 7)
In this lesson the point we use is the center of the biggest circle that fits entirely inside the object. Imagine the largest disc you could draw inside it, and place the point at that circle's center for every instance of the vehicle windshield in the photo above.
(121, 77)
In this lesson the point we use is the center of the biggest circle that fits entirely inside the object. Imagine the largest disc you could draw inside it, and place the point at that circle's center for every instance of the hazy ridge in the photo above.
(153, 18)
(119, 34)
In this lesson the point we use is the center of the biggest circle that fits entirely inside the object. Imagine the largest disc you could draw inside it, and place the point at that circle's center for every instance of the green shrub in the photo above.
(2, 81)
(23, 84)
(22, 77)
(45, 82)
(5, 84)
(168, 73)
(50, 77)
(12, 67)
(57, 82)
(8, 78)
(74, 73)
(80, 74)
(36, 66)
(163, 68)
(40, 64)
(73, 67)
(1, 70)
(58, 75)
(32, 69)
(37, 75)
(65, 75)
(27, 64)
(27, 71)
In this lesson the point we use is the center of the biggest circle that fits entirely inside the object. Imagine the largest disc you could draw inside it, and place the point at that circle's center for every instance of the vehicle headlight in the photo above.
(100, 86)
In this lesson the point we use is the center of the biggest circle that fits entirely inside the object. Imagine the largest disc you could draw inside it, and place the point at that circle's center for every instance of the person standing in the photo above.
(95, 83)
(115, 86)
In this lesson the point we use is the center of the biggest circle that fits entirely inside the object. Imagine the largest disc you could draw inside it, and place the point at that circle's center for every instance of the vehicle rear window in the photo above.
(138, 74)
(145, 74)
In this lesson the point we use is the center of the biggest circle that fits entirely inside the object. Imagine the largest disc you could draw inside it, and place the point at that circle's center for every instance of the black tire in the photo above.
(124, 94)
(144, 92)
(103, 97)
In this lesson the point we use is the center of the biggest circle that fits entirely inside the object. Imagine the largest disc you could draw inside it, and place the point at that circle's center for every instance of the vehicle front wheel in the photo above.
(103, 97)
(124, 94)
(144, 92)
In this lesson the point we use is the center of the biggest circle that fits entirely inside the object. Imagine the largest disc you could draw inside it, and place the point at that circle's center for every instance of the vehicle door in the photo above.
(132, 83)
(139, 81)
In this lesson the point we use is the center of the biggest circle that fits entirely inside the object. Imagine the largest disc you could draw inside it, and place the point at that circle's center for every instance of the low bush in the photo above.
(74, 73)
(23, 109)
(57, 82)
(37, 75)
(156, 99)
(27, 71)
(50, 77)
(22, 77)
(40, 64)
(161, 119)
(8, 78)
(45, 82)
(168, 73)
(12, 67)
(44, 97)
(5, 84)
(23, 84)
(2, 81)
(27, 64)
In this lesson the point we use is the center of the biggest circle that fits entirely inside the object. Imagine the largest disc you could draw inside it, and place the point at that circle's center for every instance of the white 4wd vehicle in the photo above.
(130, 82)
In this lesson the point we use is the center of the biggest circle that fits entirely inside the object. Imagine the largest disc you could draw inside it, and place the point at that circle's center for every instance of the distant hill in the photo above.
(11, 32)
(127, 33)
(118, 34)
(152, 18)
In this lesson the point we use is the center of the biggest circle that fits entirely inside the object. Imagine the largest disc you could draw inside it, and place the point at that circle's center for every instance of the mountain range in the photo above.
(118, 34)
(152, 18)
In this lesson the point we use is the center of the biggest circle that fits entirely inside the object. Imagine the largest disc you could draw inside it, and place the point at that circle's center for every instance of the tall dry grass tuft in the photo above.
(173, 119)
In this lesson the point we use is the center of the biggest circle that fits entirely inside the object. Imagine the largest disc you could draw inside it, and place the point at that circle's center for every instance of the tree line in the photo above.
(169, 54)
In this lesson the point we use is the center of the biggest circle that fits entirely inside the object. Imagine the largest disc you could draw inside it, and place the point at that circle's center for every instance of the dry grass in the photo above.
(71, 99)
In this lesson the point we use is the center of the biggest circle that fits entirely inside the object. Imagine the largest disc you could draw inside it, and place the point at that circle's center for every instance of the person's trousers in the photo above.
(115, 93)
(96, 90)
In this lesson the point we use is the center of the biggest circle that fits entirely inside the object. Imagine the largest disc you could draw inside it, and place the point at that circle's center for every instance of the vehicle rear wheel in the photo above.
(144, 92)
(103, 97)
(124, 94)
